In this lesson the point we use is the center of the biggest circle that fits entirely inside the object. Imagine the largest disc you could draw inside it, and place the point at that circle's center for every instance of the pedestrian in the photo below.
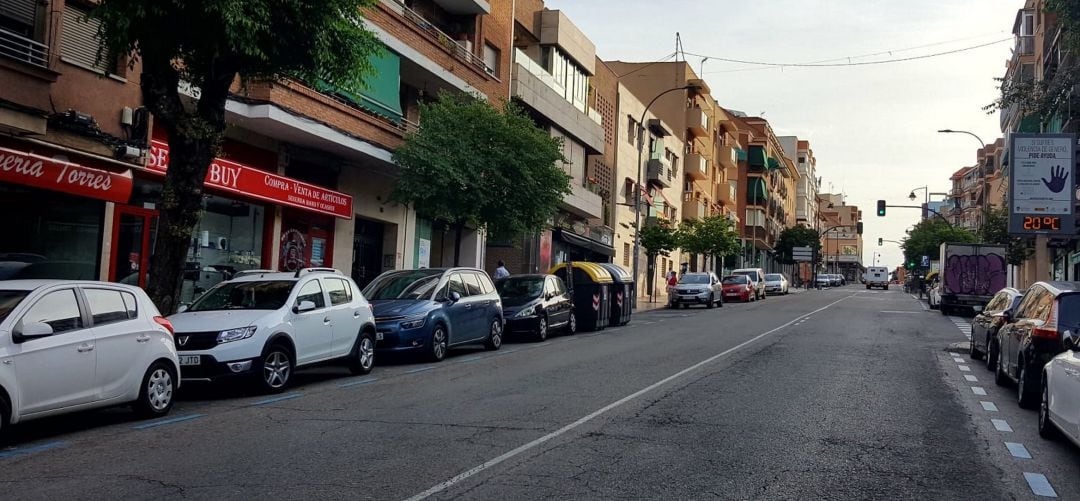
(501, 271)
(672, 281)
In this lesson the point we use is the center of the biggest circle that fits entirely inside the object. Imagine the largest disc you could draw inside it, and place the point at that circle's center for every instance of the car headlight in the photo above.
(235, 334)
(527, 312)
(413, 323)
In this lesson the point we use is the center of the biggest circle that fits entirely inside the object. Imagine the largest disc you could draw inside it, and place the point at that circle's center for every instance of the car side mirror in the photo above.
(32, 330)
(549, 295)
(1068, 341)
(455, 297)
(183, 307)
(304, 306)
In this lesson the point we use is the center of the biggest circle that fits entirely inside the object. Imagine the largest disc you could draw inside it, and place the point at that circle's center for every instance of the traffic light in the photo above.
(880, 242)
(881, 208)
(858, 227)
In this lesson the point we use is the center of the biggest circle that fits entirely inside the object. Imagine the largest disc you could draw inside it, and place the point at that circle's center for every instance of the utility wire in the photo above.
(658, 61)
(850, 63)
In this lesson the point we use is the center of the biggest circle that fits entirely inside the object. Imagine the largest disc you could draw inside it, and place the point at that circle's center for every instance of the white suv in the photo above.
(73, 345)
(268, 323)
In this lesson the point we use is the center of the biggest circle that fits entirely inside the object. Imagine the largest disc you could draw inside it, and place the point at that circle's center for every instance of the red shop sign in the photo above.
(51, 174)
(254, 183)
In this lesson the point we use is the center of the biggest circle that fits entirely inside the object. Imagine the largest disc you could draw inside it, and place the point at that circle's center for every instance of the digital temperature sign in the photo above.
(1042, 188)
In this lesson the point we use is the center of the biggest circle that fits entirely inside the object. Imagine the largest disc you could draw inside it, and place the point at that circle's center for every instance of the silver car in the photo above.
(776, 283)
(697, 288)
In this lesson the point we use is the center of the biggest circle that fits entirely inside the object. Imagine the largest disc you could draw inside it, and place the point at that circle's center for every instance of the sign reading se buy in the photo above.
(28, 169)
(254, 183)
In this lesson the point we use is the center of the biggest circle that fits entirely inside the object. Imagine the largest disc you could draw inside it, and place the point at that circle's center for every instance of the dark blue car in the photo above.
(429, 311)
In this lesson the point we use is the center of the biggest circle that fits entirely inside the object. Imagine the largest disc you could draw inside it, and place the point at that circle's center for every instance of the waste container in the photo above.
(622, 297)
(590, 286)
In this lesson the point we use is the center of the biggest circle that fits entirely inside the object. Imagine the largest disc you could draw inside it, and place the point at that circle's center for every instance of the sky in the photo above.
(873, 128)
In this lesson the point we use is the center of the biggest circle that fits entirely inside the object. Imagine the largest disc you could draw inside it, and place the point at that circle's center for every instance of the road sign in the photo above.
(802, 254)
(1042, 195)
(926, 261)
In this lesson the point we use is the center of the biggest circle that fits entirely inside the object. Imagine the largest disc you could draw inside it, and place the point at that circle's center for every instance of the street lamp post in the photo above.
(982, 170)
(637, 188)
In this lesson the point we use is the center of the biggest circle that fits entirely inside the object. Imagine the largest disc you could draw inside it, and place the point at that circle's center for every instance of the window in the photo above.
(560, 287)
(455, 284)
(79, 43)
(492, 56)
(130, 304)
(626, 254)
(106, 306)
(58, 309)
(1027, 308)
(485, 284)
(472, 284)
(339, 291)
(631, 130)
(311, 291)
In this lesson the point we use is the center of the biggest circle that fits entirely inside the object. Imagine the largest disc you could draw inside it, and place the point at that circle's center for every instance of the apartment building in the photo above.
(841, 243)
(808, 184)
(305, 171)
(967, 197)
(769, 179)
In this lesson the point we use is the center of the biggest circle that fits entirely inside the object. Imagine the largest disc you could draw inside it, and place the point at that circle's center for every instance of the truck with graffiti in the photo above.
(970, 275)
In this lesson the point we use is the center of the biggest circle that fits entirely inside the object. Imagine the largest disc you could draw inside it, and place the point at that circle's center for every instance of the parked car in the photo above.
(757, 276)
(822, 281)
(837, 280)
(739, 287)
(431, 310)
(776, 283)
(1059, 408)
(73, 345)
(1033, 335)
(267, 325)
(697, 288)
(985, 325)
(535, 304)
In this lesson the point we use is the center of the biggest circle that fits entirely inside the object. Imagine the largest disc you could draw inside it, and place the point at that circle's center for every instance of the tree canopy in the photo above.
(928, 235)
(658, 239)
(472, 164)
(995, 230)
(797, 236)
(709, 236)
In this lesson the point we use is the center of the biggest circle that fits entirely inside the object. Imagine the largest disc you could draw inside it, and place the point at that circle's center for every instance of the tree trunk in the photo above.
(459, 229)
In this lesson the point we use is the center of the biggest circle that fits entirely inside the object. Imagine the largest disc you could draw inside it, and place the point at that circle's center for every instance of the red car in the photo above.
(739, 287)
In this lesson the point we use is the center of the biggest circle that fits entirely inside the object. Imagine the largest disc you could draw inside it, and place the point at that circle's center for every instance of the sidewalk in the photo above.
(643, 304)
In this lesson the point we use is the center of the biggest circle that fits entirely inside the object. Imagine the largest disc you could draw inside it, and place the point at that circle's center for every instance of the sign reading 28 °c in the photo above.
(1042, 192)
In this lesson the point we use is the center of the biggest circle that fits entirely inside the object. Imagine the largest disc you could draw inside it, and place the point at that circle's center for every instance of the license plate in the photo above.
(190, 360)
(690, 297)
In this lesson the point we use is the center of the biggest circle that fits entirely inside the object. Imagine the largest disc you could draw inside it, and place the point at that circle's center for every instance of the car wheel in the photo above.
(1026, 395)
(991, 352)
(542, 330)
(974, 352)
(438, 344)
(363, 356)
(571, 325)
(5, 418)
(711, 303)
(494, 340)
(276, 368)
(1047, 429)
(1000, 378)
(156, 393)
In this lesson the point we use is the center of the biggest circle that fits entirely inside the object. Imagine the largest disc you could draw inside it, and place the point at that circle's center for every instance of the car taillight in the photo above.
(164, 322)
(1049, 329)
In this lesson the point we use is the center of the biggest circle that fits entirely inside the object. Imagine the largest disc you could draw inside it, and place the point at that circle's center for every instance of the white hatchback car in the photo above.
(267, 324)
(73, 345)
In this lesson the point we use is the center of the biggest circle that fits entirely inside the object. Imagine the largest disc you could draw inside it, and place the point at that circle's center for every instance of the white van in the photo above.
(876, 276)
(757, 275)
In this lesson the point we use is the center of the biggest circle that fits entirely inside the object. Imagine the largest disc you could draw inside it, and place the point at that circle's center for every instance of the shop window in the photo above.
(306, 240)
(49, 234)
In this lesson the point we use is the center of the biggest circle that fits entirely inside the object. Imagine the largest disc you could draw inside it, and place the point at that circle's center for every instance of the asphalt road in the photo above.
(837, 394)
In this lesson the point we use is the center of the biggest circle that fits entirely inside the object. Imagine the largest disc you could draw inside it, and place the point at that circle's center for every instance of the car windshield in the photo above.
(516, 291)
(414, 284)
(694, 278)
(9, 300)
(774, 277)
(246, 295)
(736, 280)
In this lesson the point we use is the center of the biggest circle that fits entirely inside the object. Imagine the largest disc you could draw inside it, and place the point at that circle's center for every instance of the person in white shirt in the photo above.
(501, 271)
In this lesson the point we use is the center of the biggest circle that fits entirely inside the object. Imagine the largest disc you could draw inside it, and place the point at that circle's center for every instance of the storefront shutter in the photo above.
(79, 43)
(22, 11)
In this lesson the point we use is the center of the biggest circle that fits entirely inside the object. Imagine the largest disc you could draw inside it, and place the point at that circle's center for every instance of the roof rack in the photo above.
(301, 271)
(244, 273)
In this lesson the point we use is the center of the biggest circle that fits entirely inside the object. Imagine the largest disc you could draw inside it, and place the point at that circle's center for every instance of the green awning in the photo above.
(756, 191)
(774, 164)
(1029, 125)
(382, 87)
(757, 157)
(741, 154)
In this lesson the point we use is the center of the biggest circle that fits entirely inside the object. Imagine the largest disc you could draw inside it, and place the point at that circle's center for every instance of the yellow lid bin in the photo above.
(590, 286)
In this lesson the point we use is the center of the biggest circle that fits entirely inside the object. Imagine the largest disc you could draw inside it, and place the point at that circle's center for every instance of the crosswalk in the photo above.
(963, 324)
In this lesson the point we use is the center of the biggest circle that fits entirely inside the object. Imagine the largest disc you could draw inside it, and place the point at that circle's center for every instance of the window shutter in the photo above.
(79, 43)
(23, 11)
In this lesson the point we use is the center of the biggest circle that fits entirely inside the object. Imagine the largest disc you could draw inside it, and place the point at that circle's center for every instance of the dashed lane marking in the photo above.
(978, 390)
(163, 422)
(958, 360)
(358, 382)
(989, 406)
(965, 368)
(963, 325)
(1018, 450)
(1001, 425)
(1040, 486)
(419, 369)
(970, 378)
(22, 451)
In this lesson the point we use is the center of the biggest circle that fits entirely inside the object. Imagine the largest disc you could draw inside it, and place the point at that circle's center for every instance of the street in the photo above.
(841, 394)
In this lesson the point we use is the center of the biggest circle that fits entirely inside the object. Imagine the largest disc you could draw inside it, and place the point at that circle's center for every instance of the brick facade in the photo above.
(604, 97)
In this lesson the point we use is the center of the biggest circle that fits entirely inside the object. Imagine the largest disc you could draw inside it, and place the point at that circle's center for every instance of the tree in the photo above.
(471, 164)
(208, 44)
(710, 236)
(798, 236)
(928, 235)
(995, 230)
(656, 240)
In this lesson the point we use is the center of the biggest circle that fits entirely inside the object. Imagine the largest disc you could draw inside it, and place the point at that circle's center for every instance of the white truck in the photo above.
(876, 276)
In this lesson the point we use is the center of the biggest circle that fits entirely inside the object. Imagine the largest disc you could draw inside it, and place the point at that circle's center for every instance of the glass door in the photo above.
(133, 240)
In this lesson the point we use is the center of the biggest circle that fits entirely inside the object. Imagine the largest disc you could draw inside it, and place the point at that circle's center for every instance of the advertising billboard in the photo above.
(1042, 191)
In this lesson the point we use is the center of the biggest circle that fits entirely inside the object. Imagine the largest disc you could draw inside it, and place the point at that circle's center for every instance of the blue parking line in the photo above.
(419, 369)
(470, 359)
(358, 382)
(22, 451)
(289, 396)
(163, 422)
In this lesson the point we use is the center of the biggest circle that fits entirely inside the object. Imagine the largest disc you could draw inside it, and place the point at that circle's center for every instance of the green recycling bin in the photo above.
(589, 286)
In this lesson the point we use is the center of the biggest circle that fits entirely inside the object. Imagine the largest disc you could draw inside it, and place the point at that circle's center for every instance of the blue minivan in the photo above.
(428, 311)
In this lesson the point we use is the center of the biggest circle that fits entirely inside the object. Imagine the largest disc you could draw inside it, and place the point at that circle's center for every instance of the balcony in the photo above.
(729, 156)
(538, 89)
(1025, 45)
(440, 38)
(23, 49)
(697, 122)
(694, 208)
(475, 7)
(658, 172)
(696, 166)
(582, 203)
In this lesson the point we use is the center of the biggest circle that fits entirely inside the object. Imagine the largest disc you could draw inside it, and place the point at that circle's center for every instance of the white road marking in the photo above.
(901, 311)
(971, 378)
(1018, 450)
(958, 360)
(965, 368)
(989, 406)
(1001, 425)
(978, 390)
(963, 324)
(603, 410)
(1040, 486)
